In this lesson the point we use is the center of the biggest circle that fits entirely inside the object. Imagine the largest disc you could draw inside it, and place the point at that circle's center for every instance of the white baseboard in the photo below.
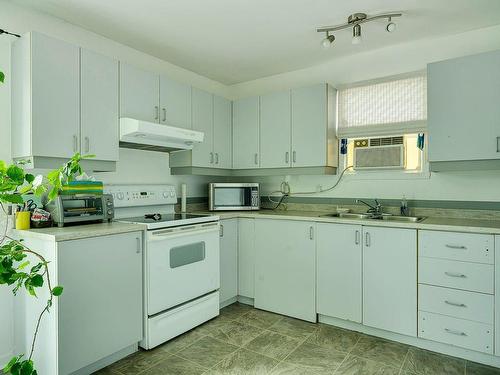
(228, 302)
(450, 350)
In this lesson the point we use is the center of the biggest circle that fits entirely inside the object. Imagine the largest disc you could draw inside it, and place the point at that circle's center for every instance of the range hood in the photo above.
(150, 136)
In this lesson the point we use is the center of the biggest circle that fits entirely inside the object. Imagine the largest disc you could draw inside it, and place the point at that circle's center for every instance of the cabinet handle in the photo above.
(211, 158)
(455, 274)
(221, 231)
(157, 112)
(311, 233)
(138, 251)
(164, 114)
(455, 332)
(498, 144)
(367, 239)
(87, 144)
(459, 247)
(455, 304)
(75, 143)
(294, 156)
(356, 237)
(287, 157)
(256, 159)
(216, 158)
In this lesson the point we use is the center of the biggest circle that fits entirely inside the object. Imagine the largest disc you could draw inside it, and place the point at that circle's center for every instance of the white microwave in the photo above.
(233, 196)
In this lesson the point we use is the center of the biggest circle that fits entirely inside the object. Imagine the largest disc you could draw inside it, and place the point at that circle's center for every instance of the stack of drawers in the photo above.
(456, 289)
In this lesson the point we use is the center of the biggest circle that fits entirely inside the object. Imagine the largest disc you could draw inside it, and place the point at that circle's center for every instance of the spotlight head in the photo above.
(328, 41)
(391, 26)
(356, 34)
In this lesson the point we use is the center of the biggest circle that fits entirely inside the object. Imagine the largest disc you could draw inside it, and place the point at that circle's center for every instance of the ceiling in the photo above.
(233, 41)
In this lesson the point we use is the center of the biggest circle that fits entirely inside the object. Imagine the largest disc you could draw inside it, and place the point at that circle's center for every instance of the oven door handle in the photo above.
(162, 234)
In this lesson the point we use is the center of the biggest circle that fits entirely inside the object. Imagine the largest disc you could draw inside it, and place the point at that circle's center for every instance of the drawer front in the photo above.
(456, 303)
(454, 331)
(474, 277)
(466, 247)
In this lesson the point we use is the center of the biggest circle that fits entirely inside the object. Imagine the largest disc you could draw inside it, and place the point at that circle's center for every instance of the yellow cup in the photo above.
(23, 220)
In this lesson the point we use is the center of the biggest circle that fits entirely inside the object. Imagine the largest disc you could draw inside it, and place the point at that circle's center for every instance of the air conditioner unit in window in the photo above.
(379, 153)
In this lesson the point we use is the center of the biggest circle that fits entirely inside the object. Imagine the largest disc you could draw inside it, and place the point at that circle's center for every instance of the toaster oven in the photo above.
(79, 208)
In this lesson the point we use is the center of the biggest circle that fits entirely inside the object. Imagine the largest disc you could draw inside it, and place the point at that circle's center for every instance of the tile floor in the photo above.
(244, 340)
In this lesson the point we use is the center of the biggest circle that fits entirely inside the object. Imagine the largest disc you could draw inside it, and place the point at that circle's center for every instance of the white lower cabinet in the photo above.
(285, 267)
(246, 257)
(104, 310)
(228, 260)
(390, 279)
(497, 297)
(339, 279)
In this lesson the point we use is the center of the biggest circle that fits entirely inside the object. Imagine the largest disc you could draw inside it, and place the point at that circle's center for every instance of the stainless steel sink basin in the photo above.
(396, 218)
(403, 219)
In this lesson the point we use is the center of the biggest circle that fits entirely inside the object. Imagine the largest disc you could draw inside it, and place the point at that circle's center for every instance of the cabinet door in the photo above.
(222, 133)
(203, 120)
(99, 105)
(275, 130)
(390, 279)
(99, 313)
(309, 126)
(228, 260)
(55, 90)
(246, 257)
(175, 103)
(139, 94)
(339, 289)
(497, 299)
(246, 133)
(285, 264)
(463, 110)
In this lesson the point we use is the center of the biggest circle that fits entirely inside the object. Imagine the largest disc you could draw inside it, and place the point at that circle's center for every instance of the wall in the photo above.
(402, 58)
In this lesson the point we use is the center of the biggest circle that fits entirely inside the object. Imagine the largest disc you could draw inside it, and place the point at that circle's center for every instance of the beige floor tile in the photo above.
(235, 332)
(380, 350)
(207, 351)
(285, 368)
(334, 338)
(182, 341)
(273, 345)
(478, 369)
(139, 361)
(316, 358)
(353, 365)
(428, 363)
(235, 310)
(243, 362)
(295, 328)
(260, 318)
(175, 365)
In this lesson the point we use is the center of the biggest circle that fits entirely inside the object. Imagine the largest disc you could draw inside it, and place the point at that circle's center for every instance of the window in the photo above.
(385, 119)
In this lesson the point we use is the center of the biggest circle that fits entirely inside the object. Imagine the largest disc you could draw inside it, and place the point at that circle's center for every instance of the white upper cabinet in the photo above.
(285, 268)
(203, 155)
(246, 133)
(390, 279)
(339, 276)
(275, 130)
(45, 97)
(139, 94)
(313, 127)
(463, 108)
(99, 106)
(175, 103)
(223, 157)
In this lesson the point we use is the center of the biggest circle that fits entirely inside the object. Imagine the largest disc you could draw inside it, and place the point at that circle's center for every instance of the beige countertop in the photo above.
(75, 232)
(430, 223)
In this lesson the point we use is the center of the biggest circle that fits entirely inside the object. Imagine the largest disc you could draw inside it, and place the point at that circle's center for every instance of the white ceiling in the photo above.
(234, 41)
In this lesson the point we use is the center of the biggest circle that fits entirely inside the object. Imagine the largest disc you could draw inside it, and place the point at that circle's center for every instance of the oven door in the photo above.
(182, 264)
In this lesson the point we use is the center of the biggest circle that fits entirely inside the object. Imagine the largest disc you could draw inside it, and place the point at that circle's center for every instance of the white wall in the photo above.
(388, 61)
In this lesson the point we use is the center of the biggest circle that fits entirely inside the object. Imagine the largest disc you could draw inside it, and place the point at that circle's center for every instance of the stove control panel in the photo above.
(141, 195)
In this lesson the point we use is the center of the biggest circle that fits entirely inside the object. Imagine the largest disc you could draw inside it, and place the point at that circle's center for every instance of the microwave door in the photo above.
(229, 197)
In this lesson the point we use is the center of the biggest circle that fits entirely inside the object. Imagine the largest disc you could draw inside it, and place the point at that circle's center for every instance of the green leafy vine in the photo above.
(14, 266)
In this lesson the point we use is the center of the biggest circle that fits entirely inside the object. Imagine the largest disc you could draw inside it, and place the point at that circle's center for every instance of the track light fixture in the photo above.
(355, 20)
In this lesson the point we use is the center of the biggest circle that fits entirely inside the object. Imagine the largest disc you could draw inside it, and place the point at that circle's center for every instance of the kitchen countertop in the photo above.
(75, 232)
(430, 223)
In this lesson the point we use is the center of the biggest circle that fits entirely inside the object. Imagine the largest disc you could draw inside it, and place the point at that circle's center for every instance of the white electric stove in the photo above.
(181, 260)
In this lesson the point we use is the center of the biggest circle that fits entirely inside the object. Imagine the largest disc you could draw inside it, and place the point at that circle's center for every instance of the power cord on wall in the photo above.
(285, 190)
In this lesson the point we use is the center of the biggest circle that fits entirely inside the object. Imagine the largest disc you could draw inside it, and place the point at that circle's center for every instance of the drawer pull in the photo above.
(459, 247)
(455, 304)
(454, 274)
(455, 332)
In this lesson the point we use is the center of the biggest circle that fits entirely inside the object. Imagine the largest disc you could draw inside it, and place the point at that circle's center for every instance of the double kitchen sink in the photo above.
(384, 217)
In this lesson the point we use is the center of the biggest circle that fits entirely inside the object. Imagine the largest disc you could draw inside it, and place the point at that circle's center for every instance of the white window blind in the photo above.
(392, 107)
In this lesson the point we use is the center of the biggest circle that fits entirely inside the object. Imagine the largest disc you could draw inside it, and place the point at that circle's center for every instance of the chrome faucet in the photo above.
(373, 209)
